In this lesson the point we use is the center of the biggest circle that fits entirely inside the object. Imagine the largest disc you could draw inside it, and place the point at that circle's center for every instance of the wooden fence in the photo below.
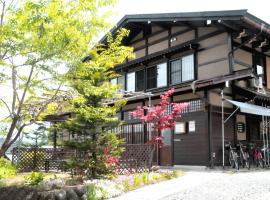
(135, 158)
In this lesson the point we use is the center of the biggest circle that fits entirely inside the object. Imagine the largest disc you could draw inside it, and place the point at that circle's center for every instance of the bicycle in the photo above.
(244, 156)
(233, 156)
(257, 156)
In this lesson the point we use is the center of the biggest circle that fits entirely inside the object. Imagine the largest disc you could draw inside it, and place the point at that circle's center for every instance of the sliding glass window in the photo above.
(121, 81)
(162, 75)
(188, 68)
(176, 71)
(140, 80)
(152, 77)
(182, 69)
(131, 82)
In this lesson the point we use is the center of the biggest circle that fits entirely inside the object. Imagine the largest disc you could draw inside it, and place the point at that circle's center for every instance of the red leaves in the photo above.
(159, 114)
(110, 160)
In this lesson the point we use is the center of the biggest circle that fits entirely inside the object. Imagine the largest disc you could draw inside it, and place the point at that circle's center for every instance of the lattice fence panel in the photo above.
(33, 159)
(136, 158)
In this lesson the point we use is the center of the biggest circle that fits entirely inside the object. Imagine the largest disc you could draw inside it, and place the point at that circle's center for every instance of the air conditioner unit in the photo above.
(258, 84)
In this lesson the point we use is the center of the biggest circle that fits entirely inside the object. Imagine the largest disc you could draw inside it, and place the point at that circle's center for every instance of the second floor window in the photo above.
(140, 80)
(120, 80)
(131, 82)
(157, 76)
(182, 69)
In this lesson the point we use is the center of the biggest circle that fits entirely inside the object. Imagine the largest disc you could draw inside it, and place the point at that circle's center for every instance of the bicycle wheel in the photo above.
(242, 160)
(247, 162)
(231, 160)
(260, 162)
(236, 163)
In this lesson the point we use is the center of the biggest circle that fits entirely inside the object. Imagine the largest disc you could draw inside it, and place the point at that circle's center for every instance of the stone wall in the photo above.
(28, 193)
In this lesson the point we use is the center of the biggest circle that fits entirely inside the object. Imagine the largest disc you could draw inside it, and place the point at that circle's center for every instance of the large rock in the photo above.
(18, 193)
(61, 195)
(71, 195)
(80, 190)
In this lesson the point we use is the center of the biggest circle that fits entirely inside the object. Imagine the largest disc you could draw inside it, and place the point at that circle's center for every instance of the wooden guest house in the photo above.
(201, 55)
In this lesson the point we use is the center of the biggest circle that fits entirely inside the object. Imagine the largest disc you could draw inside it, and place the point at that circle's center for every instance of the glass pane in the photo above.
(121, 81)
(162, 75)
(151, 77)
(140, 80)
(176, 71)
(167, 136)
(188, 68)
(131, 82)
(114, 81)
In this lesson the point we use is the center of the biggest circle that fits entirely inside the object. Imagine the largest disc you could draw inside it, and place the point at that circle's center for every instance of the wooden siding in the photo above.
(175, 29)
(156, 29)
(214, 41)
(158, 36)
(183, 38)
(216, 139)
(218, 68)
(268, 71)
(131, 106)
(242, 59)
(139, 36)
(217, 52)
(206, 30)
(213, 57)
(185, 97)
(193, 147)
(158, 47)
(140, 53)
(138, 44)
(215, 99)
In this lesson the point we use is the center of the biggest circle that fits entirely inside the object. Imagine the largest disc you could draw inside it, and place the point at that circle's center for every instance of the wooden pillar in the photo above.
(54, 137)
(268, 72)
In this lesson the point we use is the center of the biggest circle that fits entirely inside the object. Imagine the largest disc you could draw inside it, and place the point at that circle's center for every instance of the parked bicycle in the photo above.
(266, 156)
(244, 155)
(233, 156)
(257, 156)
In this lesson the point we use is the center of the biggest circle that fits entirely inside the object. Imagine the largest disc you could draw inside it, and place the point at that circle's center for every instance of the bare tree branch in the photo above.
(14, 96)
(3, 12)
(6, 106)
(48, 102)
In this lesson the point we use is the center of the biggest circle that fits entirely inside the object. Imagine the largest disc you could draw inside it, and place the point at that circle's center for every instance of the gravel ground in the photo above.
(208, 185)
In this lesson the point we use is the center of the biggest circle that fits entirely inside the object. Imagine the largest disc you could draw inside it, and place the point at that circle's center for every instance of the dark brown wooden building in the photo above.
(199, 54)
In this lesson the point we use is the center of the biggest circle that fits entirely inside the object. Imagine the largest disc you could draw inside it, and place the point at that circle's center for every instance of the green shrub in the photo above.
(167, 175)
(127, 185)
(91, 192)
(137, 180)
(175, 173)
(145, 178)
(6, 168)
(34, 178)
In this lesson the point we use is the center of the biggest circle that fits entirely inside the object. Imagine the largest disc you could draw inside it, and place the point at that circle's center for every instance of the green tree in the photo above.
(39, 40)
(93, 118)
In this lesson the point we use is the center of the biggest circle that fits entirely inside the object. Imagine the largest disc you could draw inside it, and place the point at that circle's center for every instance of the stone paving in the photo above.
(208, 185)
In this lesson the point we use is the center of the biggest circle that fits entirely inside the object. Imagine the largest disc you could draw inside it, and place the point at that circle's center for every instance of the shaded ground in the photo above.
(208, 185)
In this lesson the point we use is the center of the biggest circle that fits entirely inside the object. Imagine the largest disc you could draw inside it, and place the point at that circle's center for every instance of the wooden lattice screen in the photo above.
(33, 159)
(135, 158)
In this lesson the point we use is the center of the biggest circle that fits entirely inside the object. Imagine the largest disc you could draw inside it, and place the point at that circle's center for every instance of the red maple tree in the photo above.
(161, 116)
